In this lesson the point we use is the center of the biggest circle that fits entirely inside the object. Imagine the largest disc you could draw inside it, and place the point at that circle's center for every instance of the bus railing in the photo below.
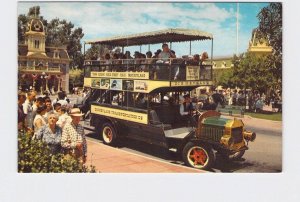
(171, 69)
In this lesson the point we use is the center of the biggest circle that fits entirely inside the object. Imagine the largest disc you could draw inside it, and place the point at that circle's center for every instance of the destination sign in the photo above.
(190, 83)
(121, 75)
(120, 114)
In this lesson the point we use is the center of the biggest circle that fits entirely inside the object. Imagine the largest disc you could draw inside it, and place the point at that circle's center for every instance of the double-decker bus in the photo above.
(141, 98)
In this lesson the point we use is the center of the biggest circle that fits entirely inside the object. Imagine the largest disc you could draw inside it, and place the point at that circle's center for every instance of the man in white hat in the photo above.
(73, 139)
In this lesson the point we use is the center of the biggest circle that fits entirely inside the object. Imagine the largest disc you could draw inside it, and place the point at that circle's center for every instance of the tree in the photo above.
(270, 26)
(224, 78)
(93, 52)
(76, 77)
(251, 71)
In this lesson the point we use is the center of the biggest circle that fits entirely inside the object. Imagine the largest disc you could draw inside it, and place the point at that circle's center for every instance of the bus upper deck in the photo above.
(147, 74)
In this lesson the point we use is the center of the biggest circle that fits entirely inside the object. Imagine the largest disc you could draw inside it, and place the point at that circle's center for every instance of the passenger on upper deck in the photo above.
(128, 61)
(137, 56)
(158, 51)
(166, 53)
(204, 56)
(163, 72)
(149, 57)
(107, 61)
(127, 55)
(143, 66)
(195, 60)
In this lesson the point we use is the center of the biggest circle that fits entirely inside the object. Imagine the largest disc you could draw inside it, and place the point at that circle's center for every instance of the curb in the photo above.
(180, 166)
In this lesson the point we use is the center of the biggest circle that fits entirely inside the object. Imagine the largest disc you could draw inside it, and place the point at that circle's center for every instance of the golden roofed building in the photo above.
(42, 67)
(258, 44)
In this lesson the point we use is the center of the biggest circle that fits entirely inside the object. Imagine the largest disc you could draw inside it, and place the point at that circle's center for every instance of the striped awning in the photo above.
(167, 35)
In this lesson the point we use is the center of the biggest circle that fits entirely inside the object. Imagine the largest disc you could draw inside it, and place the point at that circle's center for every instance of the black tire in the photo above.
(203, 159)
(108, 134)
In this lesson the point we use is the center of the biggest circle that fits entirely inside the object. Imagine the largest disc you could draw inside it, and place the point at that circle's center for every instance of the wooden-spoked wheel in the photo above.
(198, 156)
(108, 134)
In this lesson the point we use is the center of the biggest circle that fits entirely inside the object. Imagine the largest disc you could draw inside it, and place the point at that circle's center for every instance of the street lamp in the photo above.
(44, 78)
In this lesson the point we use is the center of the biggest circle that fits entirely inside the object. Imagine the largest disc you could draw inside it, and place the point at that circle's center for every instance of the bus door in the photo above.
(152, 132)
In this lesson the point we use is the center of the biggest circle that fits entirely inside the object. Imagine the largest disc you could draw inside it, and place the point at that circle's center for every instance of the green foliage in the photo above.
(251, 71)
(270, 24)
(35, 157)
(223, 77)
(76, 77)
(93, 52)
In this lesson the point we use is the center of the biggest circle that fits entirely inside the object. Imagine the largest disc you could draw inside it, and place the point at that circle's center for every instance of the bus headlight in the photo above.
(249, 136)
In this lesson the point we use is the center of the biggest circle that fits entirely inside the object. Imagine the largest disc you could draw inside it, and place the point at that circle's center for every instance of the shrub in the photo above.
(35, 157)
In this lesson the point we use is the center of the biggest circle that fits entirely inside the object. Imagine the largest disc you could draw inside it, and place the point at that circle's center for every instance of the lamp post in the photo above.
(58, 85)
(44, 78)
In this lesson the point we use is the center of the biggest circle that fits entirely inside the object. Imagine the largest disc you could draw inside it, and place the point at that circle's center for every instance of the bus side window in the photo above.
(128, 99)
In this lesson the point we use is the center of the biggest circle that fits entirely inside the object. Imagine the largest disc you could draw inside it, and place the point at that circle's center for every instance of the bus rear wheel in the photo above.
(109, 135)
(198, 156)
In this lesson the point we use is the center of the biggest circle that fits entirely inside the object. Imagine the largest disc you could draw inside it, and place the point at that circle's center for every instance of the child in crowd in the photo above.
(63, 117)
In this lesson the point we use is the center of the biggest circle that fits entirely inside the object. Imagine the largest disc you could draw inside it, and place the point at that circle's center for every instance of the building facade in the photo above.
(259, 45)
(40, 67)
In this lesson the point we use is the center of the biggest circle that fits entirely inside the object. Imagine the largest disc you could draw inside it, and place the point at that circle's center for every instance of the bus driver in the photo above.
(187, 109)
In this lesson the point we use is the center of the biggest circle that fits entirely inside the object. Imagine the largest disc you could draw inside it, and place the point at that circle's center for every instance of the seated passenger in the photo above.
(140, 101)
(204, 56)
(108, 62)
(143, 67)
(195, 60)
(158, 51)
(149, 56)
(128, 61)
(187, 109)
(175, 67)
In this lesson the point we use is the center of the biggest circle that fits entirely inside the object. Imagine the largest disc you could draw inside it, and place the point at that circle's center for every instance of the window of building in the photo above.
(56, 54)
(36, 44)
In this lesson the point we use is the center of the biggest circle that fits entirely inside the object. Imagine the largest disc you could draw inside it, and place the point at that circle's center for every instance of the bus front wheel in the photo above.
(109, 135)
(198, 156)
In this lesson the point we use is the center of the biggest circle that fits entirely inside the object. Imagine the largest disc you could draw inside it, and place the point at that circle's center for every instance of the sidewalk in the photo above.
(108, 159)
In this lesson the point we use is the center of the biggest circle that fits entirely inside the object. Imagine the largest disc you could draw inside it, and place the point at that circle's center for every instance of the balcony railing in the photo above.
(39, 69)
(171, 69)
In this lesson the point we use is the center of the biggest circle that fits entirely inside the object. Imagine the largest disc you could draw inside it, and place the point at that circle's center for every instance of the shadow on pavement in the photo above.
(150, 150)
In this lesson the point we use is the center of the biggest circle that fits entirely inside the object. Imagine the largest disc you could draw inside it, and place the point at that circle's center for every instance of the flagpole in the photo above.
(237, 29)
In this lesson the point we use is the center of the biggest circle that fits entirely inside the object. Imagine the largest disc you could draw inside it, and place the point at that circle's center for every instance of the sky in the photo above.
(105, 19)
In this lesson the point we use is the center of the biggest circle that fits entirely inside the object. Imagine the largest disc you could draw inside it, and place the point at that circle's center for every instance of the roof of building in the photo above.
(23, 50)
(167, 35)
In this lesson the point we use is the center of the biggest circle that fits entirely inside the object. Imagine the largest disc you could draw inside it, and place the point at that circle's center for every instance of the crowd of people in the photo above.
(253, 100)
(152, 62)
(54, 122)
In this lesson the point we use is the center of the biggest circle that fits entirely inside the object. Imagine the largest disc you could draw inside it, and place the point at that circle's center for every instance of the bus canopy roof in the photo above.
(167, 35)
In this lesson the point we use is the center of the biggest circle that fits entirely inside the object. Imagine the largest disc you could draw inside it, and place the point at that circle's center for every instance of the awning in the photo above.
(167, 35)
